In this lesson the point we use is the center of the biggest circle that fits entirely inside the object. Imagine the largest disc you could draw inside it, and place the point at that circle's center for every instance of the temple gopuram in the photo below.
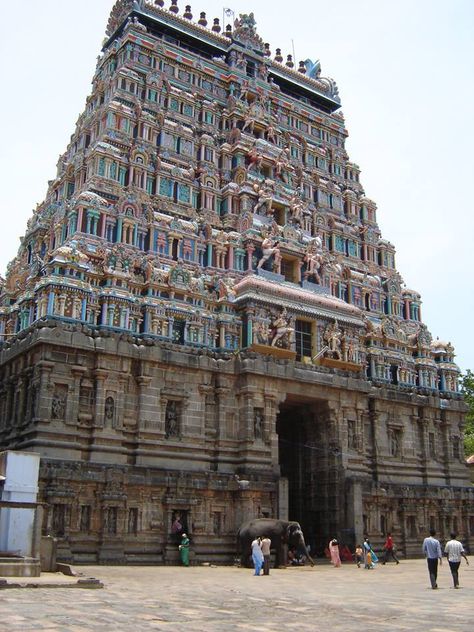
(204, 324)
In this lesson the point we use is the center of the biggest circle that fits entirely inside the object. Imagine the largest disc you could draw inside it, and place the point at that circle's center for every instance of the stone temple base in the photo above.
(277, 352)
(340, 364)
(20, 567)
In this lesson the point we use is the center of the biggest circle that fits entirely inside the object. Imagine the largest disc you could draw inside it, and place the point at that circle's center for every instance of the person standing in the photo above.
(265, 545)
(389, 549)
(184, 550)
(432, 551)
(454, 550)
(334, 552)
(359, 555)
(257, 556)
(370, 559)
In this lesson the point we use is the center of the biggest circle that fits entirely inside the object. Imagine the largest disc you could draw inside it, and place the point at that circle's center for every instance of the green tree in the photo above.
(467, 389)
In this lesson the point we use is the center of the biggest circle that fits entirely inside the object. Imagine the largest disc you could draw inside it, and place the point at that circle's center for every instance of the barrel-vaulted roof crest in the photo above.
(119, 12)
(246, 33)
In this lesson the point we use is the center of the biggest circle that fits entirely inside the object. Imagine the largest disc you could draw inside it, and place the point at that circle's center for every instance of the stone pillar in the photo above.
(354, 517)
(44, 396)
(118, 236)
(269, 430)
(231, 258)
(72, 411)
(144, 413)
(250, 250)
(445, 428)
(104, 225)
(103, 317)
(209, 255)
(100, 377)
(61, 304)
(122, 381)
(50, 308)
(283, 497)
(79, 219)
(21, 394)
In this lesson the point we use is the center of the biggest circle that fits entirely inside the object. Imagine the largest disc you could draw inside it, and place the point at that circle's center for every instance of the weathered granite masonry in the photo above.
(203, 322)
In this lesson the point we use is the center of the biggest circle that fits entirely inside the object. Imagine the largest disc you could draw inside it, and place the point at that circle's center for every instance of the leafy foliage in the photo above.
(467, 389)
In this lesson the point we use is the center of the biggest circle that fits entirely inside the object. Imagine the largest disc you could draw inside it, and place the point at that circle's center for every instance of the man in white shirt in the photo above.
(432, 551)
(265, 545)
(454, 550)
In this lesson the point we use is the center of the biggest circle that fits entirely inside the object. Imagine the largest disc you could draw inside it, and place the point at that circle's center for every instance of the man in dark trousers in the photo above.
(454, 550)
(389, 549)
(432, 551)
(265, 546)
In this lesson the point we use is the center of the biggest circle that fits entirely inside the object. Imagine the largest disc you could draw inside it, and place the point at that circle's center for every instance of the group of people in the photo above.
(454, 551)
(364, 554)
(261, 555)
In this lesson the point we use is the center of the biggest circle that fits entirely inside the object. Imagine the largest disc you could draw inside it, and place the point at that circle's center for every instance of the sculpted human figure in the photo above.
(281, 327)
(171, 420)
(265, 198)
(271, 134)
(225, 289)
(333, 336)
(351, 351)
(109, 409)
(258, 423)
(283, 167)
(152, 270)
(234, 135)
(269, 249)
(297, 209)
(240, 62)
(255, 160)
(313, 260)
(260, 332)
(249, 123)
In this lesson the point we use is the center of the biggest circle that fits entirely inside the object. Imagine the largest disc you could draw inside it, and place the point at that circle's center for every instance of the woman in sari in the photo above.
(370, 559)
(184, 550)
(334, 552)
(257, 556)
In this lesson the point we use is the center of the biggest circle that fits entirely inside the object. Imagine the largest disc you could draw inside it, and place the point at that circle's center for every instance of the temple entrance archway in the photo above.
(311, 466)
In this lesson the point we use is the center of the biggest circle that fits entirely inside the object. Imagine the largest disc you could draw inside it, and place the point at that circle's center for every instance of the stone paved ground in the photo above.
(388, 599)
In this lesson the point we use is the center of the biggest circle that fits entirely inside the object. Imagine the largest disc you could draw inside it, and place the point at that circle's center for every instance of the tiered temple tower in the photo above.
(204, 296)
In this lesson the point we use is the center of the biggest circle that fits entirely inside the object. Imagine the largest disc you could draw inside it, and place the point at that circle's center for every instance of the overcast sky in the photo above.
(406, 80)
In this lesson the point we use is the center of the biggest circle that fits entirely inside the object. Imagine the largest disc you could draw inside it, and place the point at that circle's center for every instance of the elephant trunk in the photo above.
(311, 561)
(304, 548)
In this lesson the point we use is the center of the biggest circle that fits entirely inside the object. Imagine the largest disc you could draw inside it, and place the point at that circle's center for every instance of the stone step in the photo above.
(20, 567)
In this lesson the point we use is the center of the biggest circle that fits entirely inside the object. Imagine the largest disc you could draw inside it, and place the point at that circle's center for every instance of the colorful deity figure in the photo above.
(270, 248)
(333, 339)
(281, 330)
(265, 197)
(314, 260)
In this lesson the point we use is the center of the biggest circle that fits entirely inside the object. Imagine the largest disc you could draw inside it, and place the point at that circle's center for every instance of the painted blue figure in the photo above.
(257, 556)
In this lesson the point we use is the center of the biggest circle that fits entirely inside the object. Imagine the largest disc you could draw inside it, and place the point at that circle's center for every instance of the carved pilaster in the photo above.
(45, 395)
(100, 377)
(145, 419)
(72, 411)
(122, 384)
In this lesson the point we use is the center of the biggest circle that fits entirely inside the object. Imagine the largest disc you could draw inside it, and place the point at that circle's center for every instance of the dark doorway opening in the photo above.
(307, 461)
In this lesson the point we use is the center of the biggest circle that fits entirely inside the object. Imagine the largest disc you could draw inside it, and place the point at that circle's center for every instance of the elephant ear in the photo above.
(288, 532)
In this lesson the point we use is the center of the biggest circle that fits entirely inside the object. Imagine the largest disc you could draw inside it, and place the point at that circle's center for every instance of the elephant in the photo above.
(282, 533)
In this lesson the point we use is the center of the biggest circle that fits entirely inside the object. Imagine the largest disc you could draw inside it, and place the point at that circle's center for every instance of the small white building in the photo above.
(17, 525)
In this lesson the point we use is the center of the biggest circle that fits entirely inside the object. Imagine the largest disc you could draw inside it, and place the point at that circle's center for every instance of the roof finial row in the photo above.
(289, 59)
(216, 27)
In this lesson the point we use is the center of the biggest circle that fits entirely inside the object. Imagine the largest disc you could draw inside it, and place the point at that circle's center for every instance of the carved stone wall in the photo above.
(142, 432)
